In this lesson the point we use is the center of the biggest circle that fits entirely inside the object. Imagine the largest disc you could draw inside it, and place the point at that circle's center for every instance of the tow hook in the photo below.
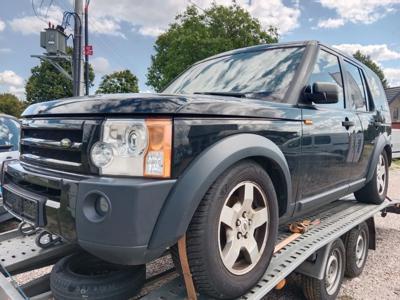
(27, 229)
(46, 240)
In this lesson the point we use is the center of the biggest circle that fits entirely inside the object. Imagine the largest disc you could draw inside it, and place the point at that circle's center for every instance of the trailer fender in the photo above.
(314, 266)
(193, 184)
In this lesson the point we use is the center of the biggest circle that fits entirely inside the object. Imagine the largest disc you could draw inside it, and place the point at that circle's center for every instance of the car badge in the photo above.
(66, 143)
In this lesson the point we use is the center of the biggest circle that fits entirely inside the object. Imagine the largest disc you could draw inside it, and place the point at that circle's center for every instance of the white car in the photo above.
(9, 148)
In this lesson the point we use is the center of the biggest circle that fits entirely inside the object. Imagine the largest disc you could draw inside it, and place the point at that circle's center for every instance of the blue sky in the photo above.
(123, 32)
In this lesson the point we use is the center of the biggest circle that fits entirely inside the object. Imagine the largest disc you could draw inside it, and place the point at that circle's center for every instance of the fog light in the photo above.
(102, 206)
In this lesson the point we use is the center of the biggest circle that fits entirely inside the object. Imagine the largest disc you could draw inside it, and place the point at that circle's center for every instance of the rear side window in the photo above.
(377, 91)
(9, 133)
(327, 69)
(357, 89)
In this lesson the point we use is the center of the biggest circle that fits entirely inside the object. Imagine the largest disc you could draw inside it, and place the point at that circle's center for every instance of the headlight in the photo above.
(134, 148)
(102, 154)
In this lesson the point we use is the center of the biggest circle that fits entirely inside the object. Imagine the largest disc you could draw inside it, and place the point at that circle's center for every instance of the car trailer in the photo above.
(308, 253)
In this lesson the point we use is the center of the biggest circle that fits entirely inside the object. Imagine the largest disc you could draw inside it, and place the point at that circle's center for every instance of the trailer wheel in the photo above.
(83, 276)
(232, 235)
(357, 241)
(327, 288)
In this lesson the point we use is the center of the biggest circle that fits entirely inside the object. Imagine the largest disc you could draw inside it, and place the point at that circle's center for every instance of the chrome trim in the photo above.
(50, 160)
(49, 144)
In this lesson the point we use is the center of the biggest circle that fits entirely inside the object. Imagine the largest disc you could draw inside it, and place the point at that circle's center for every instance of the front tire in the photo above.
(374, 192)
(232, 235)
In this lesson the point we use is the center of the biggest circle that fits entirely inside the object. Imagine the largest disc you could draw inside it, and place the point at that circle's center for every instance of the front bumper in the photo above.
(121, 236)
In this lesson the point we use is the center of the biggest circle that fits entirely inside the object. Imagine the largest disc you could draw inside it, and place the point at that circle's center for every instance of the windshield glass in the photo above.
(266, 73)
(9, 134)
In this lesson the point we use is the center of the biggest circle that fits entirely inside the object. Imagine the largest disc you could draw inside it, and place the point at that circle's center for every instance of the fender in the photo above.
(193, 184)
(382, 141)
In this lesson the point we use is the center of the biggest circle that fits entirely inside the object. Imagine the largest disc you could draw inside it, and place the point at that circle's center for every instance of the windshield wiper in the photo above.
(229, 94)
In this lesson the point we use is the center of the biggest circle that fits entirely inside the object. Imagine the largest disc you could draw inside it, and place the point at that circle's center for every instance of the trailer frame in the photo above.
(305, 255)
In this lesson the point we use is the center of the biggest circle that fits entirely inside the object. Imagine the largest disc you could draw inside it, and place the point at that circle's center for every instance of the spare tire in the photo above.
(84, 276)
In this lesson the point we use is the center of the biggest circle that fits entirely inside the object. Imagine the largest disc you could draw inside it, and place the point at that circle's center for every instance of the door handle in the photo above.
(348, 124)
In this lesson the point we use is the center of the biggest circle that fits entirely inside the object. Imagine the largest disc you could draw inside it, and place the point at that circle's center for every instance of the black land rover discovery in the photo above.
(238, 143)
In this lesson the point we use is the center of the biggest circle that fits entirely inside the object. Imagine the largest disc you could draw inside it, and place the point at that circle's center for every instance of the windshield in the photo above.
(9, 134)
(265, 73)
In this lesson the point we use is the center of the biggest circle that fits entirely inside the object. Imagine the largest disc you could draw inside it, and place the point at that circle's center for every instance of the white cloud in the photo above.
(274, 13)
(18, 91)
(152, 17)
(9, 77)
(104, 25)
(361, 11)
(392, 75)
(378, 52)
(2, 25)
(100, 65)
(33, 25)
(12, 83)
(5, 50)
(330, 23)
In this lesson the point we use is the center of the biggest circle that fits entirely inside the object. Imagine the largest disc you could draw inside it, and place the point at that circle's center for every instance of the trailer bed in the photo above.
(336, 219)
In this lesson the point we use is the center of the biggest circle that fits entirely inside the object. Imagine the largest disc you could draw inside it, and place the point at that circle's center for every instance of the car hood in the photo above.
(160, 104)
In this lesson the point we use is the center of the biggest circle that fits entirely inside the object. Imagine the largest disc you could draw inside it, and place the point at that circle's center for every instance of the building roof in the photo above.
(392, 93)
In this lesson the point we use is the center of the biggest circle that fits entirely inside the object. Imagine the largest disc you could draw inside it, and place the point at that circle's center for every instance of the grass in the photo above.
(396, 163)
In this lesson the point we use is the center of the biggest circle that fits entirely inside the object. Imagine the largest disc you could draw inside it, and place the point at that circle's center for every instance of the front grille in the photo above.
(61, 144)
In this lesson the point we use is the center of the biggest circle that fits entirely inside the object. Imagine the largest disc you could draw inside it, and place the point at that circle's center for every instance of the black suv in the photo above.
(237, 144)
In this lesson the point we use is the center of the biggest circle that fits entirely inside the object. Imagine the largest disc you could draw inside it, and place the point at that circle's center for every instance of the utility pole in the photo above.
(77, 53)
(86, 49)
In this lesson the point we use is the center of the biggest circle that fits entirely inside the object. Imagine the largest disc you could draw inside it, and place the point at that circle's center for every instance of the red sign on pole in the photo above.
(88, 50)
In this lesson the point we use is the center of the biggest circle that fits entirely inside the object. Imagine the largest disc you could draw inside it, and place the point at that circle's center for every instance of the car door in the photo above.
(370, 118)
(327, 131)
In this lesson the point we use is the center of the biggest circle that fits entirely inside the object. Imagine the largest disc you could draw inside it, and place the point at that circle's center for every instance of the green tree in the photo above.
(118, 82)
(47, 83)
(196, 35)
(366, 60)
(11, 105)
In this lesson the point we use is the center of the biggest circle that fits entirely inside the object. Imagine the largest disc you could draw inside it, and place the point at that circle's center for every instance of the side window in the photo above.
(357, 89)
(377, 91)
(327, 69)
(9, 133)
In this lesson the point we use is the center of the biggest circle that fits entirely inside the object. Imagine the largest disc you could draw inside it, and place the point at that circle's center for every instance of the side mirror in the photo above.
(323, 93)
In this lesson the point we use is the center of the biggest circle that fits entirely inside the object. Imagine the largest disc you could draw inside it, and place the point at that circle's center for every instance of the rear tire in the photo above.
(374, 192)
(327, 288)
(231, 238)
(357, 242)
(84, 276)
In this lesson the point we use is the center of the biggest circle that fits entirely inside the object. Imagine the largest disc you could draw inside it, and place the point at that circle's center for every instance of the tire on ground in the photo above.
(316, 289)
(83, 276)
(370, 193)
(210, 275)
(356, 243)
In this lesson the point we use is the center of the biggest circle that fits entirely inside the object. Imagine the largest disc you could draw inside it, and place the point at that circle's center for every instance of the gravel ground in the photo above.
(381, 276)
(380, 279)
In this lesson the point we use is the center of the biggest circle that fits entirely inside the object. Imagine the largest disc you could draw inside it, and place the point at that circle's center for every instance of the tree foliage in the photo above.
(366, 60)
(11, 105)
(196, 35)
(47, 83)
(118, 82)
